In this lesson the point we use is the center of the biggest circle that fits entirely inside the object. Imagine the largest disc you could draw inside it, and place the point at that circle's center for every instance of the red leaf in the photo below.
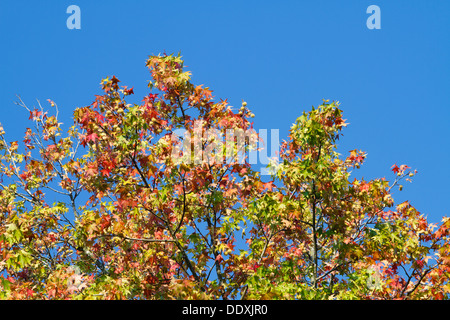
(128, 91)
(114, 80)
(178, 188)
(364, 187)
(106, 221)
(92, 137)
(268, 185)
(395, 168)
(35, 114)
(91, 170)
(106, 172)
(255, 266)
(403, 167)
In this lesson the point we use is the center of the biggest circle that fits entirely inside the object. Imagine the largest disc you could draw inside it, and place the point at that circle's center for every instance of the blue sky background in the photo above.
(281, 57)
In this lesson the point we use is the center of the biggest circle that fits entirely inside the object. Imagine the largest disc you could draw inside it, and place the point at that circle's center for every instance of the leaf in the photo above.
(35, 114)
(91, 137)
(6, 285)
(395, 168)
(269, 185)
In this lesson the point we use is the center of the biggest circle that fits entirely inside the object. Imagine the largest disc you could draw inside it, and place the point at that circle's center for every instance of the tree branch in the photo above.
(134, 239)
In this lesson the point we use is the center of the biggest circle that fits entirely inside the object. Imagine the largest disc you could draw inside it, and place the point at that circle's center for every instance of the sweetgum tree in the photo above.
(123, 206)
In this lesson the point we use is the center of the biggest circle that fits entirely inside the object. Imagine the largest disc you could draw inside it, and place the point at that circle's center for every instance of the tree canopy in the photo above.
(123, 206)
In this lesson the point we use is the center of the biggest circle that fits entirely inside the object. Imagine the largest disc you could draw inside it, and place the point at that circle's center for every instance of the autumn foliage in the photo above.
(107, 210)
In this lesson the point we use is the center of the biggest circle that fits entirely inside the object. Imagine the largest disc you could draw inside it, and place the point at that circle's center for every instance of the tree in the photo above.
(147, 201)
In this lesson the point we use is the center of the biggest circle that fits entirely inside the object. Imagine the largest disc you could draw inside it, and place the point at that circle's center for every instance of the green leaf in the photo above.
(6, 285)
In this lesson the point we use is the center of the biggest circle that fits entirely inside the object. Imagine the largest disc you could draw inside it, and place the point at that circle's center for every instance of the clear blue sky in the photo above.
(282, 57)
